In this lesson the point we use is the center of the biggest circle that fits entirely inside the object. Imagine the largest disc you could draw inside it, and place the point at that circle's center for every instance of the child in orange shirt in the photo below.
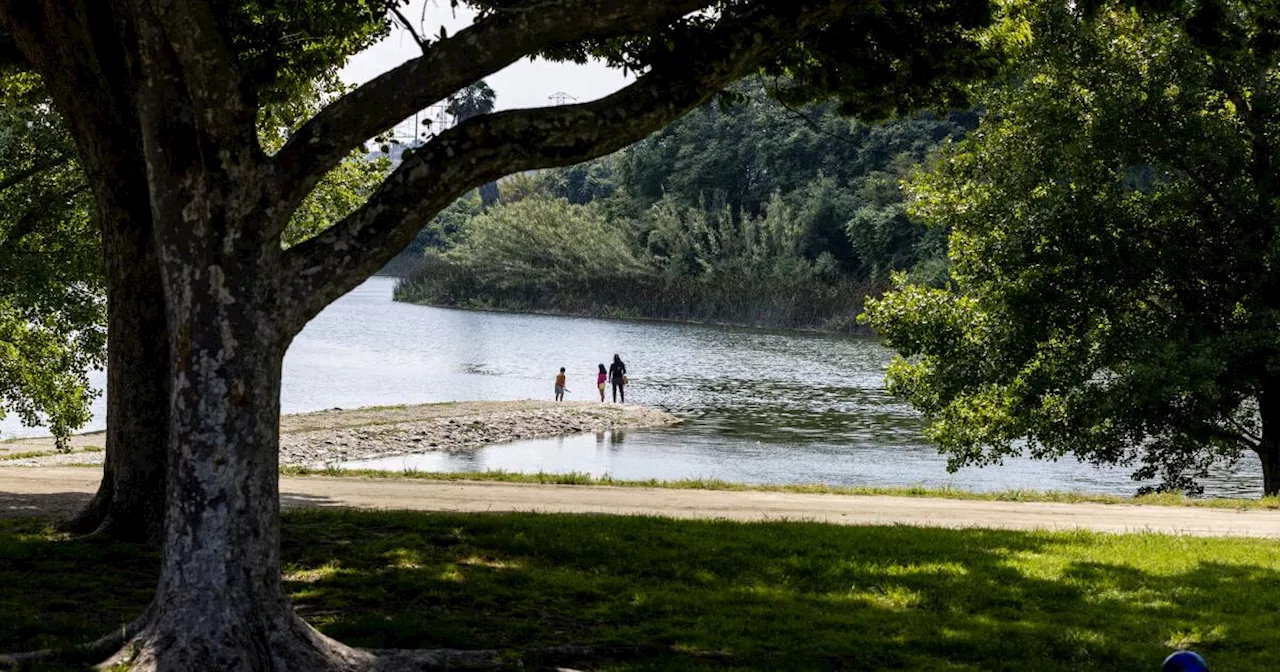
(560, 385)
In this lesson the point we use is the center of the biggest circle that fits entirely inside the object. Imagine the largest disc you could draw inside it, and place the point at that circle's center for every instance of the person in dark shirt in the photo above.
(618, 377)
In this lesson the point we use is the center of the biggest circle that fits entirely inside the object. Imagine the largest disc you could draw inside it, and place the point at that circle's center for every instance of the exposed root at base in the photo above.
(91, 652)
(565, 658)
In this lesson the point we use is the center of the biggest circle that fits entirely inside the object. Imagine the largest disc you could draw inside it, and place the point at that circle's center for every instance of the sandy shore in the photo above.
(333, 436)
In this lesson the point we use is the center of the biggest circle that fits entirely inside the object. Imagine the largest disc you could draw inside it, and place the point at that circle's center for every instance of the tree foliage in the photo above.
(1114, 252)
(52, 308)
(741, 155)
(540, 241)
(798, 200)
(52, 289)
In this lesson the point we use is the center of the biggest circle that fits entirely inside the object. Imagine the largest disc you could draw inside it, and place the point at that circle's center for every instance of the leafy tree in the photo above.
(1115, 252)
(129, 503)
(52, 309)
(446, 228)
(173, 86)
(742, 154)
(692, 242)
(885, 237)
(853, 222)
(585, 182)
(543, 253)
(472, 101)
(539, 242)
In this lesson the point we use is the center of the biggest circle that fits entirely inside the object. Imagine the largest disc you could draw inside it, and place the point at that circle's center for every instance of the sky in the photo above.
(523, 84)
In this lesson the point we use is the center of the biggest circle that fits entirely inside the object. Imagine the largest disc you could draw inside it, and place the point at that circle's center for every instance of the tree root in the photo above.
(565, 658)
(91, 652)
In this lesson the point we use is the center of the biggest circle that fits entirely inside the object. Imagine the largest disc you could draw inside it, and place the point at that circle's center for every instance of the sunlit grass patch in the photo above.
(757, 596)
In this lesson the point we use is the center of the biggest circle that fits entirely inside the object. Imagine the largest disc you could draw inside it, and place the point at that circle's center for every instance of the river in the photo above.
(759, 406)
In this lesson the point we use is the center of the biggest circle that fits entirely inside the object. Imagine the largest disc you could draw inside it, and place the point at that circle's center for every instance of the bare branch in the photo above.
(490, 146)
(482, 49)
(1250, 438)
(404, 22)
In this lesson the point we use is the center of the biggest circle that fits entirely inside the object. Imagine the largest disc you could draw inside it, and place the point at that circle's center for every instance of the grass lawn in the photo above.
(767, 596)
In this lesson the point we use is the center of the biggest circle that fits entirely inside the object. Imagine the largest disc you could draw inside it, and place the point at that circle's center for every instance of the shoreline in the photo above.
(859, 332)
(324, 438)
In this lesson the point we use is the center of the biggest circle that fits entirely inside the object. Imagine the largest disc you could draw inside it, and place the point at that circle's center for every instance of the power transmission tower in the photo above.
(560, 98)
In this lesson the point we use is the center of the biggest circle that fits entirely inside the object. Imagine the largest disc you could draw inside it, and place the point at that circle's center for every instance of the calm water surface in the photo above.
(759, 406)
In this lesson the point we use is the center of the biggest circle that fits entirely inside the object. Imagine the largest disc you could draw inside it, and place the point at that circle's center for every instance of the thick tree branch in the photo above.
(26, 224)
(209, 70)
(490, 146)
(38, 167)
(482, 49)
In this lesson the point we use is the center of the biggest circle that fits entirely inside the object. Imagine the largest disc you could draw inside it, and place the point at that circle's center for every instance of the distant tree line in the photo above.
(745, 211)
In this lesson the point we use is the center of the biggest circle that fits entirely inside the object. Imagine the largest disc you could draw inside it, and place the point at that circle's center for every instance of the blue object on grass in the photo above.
(1184, 661)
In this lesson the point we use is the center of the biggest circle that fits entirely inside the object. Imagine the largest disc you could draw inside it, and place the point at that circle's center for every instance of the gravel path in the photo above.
(61, 491)
(329, 437)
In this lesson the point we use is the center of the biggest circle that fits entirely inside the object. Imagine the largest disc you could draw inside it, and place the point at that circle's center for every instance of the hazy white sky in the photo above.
(523, 84)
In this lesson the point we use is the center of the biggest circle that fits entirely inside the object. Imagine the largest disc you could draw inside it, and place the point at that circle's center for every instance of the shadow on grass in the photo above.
(290, 500)
(769, 596)
(53, 505)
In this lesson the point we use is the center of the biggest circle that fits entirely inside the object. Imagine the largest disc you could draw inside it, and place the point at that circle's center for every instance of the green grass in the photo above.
(766, 596)
(574, 478)
(45, 453)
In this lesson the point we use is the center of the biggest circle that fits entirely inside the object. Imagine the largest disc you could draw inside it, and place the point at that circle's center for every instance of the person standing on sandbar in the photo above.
(618, 376)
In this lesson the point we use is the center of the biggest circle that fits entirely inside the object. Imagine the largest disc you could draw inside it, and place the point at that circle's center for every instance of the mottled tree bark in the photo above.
(129, 504)
(222, 534)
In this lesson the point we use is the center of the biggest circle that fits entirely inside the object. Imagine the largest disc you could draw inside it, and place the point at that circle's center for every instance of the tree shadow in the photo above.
(694, 595)
(297, 499)
(788, 595)
(57, 592)
(56, 504)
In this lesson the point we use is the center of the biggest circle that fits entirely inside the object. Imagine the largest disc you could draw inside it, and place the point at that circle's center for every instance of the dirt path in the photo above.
(60, 491)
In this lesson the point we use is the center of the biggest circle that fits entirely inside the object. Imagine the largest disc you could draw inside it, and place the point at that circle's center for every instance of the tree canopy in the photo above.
(1114, 251)
(53, 295)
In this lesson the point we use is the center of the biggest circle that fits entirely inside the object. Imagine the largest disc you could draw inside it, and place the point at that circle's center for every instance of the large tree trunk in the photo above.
(1269, 446)
(129, 505)
(222, 536)
(76, 48)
